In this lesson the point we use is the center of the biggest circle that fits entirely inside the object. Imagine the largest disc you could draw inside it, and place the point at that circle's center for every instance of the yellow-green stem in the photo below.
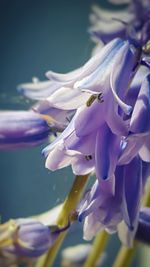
(97, 249)
(69, 205)
(146, 199)
(125, 254)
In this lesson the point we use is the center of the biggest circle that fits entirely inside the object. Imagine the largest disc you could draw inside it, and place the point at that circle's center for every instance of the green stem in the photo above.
(97, 249)
(125, 254)
(146, 199)
(69, 205)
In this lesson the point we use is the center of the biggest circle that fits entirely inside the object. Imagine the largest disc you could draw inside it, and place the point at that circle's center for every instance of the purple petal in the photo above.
(105, 34)
(38, 90)
(83, 144)
(106, 15)
(68, 98)
(62, 116)
(107, 150)
(58, 158)
(69, 129)
(82, 166)
(90, 201)
(120, 78)
(32, 239)
(116, 123)
(22, 129)
(98, 76)
(91, 226)
(145, 150)
(66, 78)
(89, 119)
(140, 122)
(104, 27)
(86, 69)
(132, 192)
(141, 73)
(130, 148)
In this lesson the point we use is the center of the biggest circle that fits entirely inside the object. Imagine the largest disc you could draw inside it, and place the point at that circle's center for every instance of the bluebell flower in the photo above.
(107, 24)
(106, 210)
(20, 129)
(30, 238)
(109, 135)
(93, 120)
(138, 140)
(131, 22)
(119, 210)
(26, 239)
(113, 201)
(64, 89)
(58, 156)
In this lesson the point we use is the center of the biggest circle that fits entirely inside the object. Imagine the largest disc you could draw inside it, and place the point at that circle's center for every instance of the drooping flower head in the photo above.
(107, 135)
(109, 131)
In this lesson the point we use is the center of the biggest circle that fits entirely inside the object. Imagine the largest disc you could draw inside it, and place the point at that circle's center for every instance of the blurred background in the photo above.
(37, 36)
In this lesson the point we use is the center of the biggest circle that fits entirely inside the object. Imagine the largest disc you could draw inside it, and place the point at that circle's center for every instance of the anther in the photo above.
(88, 157)
(146, 47)
(100, 98)
(91, 100)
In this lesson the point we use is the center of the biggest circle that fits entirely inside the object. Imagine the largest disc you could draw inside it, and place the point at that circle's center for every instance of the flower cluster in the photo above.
(101, 111)
(109, 132)
(109, 102)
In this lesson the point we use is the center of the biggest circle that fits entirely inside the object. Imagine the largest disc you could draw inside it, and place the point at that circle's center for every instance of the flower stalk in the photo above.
(68, 207)
(97, 249)
(125, 256)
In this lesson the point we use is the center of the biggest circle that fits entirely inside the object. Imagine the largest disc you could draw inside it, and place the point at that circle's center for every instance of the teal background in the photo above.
(37, 36)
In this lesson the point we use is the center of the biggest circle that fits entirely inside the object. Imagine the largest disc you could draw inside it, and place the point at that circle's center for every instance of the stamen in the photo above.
(49, 119)
(146, 47)
(88, 157)
(100, 98)
(92, 98)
